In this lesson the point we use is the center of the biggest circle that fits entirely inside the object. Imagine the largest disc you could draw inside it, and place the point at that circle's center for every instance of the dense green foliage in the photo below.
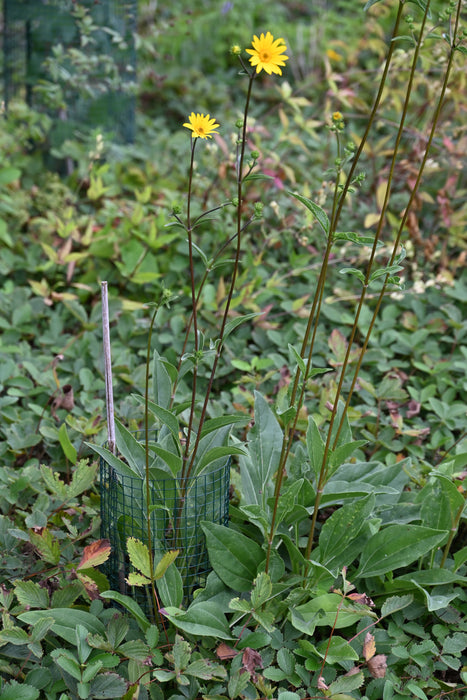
(380, 582)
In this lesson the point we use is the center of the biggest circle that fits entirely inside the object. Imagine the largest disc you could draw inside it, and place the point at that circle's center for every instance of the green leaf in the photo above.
(298, 359)
(67, 661)
(240, 605)
(206, 669)
(346, 684)
(288, 695)
(174, 462)
(181, 652)
(315, 446)
(231, 325)
(67, 446)
(357, 238)
(135, 579)
(234, 557)
(31, 594)
(436, 601)
(15, 635)
(5, 236)
(170, 588)
(414, 688)
(166, 417)
(216, 453)
(120, 467)
(130, 448)
(264, 447)
(204, 619)
(341, 454)
(220, 422)
(440, 503)
(341, 529)
(336, 650)
(262, 589)
(433, 577)
(41, 628)
(395, 603)
(91, 670)
(131, 605)
(164, 676)
(353, 271)
(237, 684)
(65, 596)
(134, 649)
(396, 546)
(391, 269)
(18, 691)
(319, 213)
(286, 661)
(66, 620)
(327, 610)
(9, 175)
(83, 478)
(455, 643)
(47, 546)
(139, 556)
(167, 559)
(107, 686)
(162, 384)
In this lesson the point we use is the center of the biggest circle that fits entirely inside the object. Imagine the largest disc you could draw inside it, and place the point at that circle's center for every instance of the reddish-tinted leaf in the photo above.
(95, 554)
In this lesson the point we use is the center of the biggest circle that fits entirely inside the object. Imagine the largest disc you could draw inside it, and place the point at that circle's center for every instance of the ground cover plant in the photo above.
(287, 284)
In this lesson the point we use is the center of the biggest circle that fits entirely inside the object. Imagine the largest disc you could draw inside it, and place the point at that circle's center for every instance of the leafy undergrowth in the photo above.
(368, 604)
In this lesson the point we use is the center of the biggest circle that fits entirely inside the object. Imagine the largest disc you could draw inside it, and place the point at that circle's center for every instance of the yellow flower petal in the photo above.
(267, 54)
(201, 125)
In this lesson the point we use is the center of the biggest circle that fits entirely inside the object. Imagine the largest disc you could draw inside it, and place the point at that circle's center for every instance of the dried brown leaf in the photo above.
(224, 652)
(369, 646)
(378, 665)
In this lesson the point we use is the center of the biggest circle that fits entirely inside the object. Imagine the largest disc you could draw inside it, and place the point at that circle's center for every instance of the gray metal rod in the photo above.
(109, 396)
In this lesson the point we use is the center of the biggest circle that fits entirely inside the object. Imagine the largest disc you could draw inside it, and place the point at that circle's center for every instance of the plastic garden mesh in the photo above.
(177, 508)
(31, 31)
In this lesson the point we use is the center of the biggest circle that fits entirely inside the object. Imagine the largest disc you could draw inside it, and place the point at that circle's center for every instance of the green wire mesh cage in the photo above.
(76, 58)
(177, 508)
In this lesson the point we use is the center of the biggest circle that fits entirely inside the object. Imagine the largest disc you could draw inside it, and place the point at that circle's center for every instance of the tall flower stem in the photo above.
(198, 297)
(193, 306)
(307, 346)
(239, 228)
(435, 121)
(155, 601)
(323, 471)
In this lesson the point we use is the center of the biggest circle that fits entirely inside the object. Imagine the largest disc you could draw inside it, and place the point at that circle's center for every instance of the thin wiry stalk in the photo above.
(323, 471)
(234, 275)
(194, 311)
(436, 118)
(336, 210)
(198, 297)
(155, 601)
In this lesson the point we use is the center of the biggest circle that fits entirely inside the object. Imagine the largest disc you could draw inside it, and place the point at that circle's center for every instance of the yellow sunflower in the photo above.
(267, 54)
(201, 125)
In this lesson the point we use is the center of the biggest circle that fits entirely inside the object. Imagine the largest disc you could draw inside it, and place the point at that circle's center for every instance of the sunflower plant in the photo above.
(180, 441)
